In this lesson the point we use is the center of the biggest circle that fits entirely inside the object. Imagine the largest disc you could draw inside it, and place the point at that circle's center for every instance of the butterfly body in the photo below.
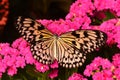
(69, 49)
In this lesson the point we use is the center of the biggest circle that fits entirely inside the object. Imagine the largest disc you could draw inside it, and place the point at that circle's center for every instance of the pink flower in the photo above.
(104, 75)
(117, 73)
(28, 57)
(107, 74)
(116, 60)
(88, 71)
(117, 7)
(98, 64)
(81, 7)
(4, 48)
(53, 74)
(4, 45)
(54, 65)
(94, 66)
(112, 31)
(23, 44)
(98, 76)
(20, 62)
(3, 67)
(41, 67)
(10, 61)
(106, 64)
(0, 75)
(12, 70)
(104, 4)
(16, 43)
(76, 76)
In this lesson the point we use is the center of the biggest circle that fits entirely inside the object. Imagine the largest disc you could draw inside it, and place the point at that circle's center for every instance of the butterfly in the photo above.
(69, 49)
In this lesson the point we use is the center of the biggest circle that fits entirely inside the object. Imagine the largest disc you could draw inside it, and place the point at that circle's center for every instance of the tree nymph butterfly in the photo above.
(69, 49)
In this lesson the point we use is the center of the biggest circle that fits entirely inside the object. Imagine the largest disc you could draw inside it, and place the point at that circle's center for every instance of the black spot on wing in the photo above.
(32, 23)
(98, 34)
(41, 36)
(75, 34)
(74, 42)
(85, 34)
(31, 31)
(41, 27)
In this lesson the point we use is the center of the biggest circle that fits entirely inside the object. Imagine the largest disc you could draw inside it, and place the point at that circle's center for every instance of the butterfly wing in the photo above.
(73, 46)
(69, 56)
(40, 39)
(31, 30)
(43, 51)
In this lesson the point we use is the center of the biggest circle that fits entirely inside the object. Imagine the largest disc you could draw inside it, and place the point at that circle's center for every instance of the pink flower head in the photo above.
(98, 76)
(103, 75)
(3, 67)
(20, 62)
(94, 66)
(98, 64)
(104, 4)
(12, 70)
(29, 57)
(0, 75)
(41, 67)
(117, 7)
(117, 73)
(116, 60)
(106, 64)
(16, 43)
(10, 61)
(54, 65)
(76, 76)
(88, 71)
(4, 48)
(53, 74)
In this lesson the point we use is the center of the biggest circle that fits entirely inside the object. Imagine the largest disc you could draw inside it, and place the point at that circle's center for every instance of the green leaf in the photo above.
(109, 15)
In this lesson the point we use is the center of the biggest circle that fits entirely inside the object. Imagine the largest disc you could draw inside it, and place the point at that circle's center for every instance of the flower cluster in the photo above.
(112, 29)
(13, 57)
(76, 76)
(10, 60)
(103, 69)
(18, 55)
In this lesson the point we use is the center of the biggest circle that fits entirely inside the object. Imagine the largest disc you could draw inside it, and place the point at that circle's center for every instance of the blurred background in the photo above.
(36, 9)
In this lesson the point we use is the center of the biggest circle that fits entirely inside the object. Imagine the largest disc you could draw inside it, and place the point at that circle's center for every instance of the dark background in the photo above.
(36, 9)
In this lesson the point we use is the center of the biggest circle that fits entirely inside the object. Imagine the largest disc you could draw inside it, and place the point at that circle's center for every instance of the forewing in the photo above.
(31, 30)
(85, 40)
(73, 46)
